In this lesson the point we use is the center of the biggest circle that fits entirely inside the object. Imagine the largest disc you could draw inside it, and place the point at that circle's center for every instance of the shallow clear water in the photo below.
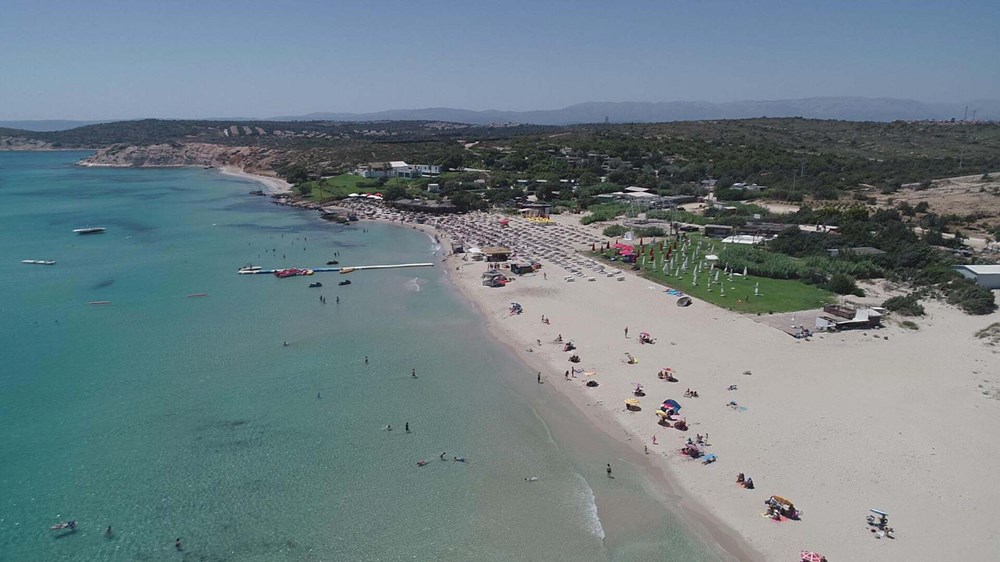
(168, 416)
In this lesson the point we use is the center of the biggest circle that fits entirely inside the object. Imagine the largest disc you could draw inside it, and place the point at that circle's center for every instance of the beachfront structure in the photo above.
(718, 230)
(751, 187)
(539, 210)
(397, 169)
(987, 276)
(496, 253)
(747, 239)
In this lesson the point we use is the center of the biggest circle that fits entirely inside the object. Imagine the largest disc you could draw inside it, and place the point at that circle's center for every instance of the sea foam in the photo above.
(583, 496)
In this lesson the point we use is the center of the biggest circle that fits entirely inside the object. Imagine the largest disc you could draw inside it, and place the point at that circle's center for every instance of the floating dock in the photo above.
(342, 270)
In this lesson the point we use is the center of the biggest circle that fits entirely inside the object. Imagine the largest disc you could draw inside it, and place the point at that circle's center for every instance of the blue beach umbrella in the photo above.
(671, 403)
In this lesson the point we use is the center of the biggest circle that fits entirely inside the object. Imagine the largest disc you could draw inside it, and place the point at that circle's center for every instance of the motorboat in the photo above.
(345, 282)
(314, 285)
(249, 269)
(90, 230)
(39, 262)
(333, 262)
(292, 272)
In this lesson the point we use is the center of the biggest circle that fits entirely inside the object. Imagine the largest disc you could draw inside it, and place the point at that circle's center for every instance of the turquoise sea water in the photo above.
(171, 416)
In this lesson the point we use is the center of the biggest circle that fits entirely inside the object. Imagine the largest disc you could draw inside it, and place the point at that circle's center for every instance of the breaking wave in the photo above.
(583, 496)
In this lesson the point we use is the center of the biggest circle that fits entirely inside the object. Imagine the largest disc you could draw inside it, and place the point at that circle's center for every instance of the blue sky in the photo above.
(213, 58)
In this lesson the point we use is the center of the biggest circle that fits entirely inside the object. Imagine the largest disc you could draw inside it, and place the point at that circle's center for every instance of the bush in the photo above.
(842, 284)
(614, 231)
(907, 305)
(971, 298)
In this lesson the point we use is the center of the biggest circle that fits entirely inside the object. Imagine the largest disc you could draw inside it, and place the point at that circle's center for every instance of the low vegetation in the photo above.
(906, 305)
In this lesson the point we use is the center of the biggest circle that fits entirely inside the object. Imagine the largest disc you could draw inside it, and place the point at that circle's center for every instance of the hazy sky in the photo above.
(212, 58)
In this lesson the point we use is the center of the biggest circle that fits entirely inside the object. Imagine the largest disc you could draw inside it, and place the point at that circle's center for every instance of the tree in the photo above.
(842, 284)
(393, 192)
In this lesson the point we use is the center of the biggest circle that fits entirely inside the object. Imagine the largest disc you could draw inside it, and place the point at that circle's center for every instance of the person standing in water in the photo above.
(366, 359)
(407, 427)
(414, 373)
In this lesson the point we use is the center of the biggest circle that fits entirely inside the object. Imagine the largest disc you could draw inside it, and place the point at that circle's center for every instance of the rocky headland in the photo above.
(250, 159)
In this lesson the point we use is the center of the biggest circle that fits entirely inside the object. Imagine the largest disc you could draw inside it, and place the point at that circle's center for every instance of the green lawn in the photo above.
(774, 295)
(338, 187)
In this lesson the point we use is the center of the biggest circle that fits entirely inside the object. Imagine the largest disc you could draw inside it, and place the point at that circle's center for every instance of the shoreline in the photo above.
(833, 422)
(272, 185)
(712, 532)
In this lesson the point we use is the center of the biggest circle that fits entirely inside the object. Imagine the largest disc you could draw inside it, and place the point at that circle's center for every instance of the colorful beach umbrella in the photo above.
(809, 556)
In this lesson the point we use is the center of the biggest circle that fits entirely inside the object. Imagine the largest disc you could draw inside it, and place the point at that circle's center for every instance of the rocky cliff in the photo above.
(22, 143)
(251, 159)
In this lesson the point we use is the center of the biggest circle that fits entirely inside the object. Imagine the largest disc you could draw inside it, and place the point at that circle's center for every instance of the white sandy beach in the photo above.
(272, 185)
(894, 419)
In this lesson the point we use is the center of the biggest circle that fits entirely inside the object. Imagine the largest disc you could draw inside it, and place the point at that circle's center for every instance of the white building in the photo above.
(987, 276)
(743, 186)
(397, 169)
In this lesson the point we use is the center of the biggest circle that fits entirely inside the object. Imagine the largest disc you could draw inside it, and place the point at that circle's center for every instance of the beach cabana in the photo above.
(496, 253)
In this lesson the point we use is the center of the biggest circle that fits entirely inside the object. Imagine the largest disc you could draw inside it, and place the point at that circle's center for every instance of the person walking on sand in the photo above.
(626, 331)
(539, 377)
(609, 471)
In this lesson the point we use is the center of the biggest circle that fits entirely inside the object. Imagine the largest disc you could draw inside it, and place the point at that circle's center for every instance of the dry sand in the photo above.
(894, 419)
(272, 185)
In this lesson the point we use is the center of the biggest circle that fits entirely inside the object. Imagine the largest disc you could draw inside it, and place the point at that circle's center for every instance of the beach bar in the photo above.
(496, 253)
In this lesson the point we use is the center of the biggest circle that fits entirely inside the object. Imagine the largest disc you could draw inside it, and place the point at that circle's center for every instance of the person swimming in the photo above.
(531, 479)
(388, 427)
(459, 459)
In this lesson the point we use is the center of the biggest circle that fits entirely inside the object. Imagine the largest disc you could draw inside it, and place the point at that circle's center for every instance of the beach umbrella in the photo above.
(632, 401)
(809, 556)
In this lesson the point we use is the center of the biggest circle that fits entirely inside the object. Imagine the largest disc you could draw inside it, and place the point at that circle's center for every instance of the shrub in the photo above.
(614, 231)
(909, 325)
(971, 298)
(842, 284)
(907, 305)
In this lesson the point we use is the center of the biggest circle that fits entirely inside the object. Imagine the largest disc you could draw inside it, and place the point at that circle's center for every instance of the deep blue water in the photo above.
(166, 416)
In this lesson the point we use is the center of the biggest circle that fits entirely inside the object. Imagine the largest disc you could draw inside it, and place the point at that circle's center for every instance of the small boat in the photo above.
(90, 230)
(314, 285)
(249, 269)
(63, 525)
(292, 272)
(345, 282)
(333, 262)
(197, 295)
(99, 302)
(39, 262)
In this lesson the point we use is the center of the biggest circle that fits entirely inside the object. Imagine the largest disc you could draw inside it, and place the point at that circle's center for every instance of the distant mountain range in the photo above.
(840, 108)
